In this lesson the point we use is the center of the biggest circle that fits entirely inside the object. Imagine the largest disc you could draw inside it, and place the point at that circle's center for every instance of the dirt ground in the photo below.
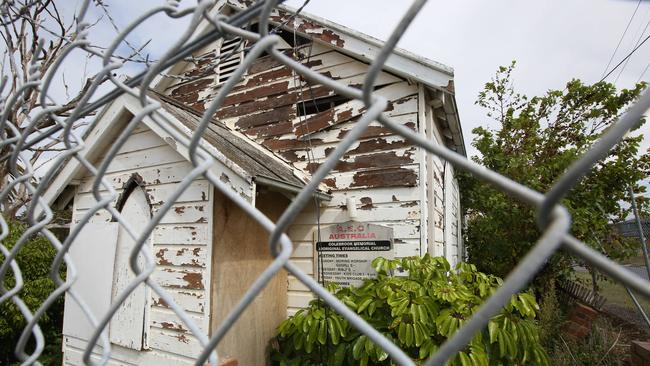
(626, 316)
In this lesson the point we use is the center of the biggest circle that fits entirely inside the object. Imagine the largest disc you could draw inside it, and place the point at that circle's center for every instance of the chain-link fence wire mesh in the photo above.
(638, 228)
(553, 219)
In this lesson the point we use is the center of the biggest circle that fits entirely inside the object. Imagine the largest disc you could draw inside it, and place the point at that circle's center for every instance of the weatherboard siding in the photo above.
(382, 172)
(181, 248)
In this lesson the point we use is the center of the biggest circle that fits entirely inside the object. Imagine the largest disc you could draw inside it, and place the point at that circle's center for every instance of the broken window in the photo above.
(314, 106)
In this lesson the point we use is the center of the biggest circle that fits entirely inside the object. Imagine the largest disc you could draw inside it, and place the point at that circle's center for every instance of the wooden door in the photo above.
(240, 254)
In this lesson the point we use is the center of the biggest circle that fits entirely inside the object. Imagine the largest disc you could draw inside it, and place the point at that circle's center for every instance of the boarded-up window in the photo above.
(127, 326)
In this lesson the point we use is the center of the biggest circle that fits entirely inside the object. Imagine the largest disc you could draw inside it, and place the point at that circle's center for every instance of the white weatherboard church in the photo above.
(272, 132)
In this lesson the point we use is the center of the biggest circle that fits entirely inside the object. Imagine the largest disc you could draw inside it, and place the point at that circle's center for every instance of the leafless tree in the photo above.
(35, 35)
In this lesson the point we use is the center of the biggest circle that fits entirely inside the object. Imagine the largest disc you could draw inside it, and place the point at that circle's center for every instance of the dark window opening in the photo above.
(286, 35)
(289, 38)
(255, 28)
(134, 182)
(319, 105)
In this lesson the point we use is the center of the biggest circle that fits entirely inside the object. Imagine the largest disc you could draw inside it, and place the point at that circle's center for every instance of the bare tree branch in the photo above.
(23, 26)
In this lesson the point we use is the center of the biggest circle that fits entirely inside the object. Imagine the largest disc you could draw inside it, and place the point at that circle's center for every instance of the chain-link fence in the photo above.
(17, 144)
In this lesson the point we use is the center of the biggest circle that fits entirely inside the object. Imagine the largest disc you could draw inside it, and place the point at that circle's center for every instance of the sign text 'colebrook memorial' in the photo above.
(347, 250)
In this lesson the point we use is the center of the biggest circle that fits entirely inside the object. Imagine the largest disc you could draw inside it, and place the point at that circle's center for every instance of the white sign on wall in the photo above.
(345, 251)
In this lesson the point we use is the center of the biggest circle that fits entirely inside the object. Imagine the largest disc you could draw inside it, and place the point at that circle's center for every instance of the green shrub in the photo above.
(551, 317)
(604, 345)
(533, 140)
(417, 310)
(34, 259)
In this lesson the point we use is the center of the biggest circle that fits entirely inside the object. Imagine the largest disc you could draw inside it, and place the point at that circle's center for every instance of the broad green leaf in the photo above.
(358, 347)
(322, 332)
(401, 334)
(339, 355)
(409, 334)
(493, 328)
(333, 331)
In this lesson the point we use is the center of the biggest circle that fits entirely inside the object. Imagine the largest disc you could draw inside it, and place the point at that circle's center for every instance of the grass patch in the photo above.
(637, 260)
(614, 292)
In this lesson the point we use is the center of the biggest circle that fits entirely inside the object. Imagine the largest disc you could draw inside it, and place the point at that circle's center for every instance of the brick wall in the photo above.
(579, 321)
(640, 354)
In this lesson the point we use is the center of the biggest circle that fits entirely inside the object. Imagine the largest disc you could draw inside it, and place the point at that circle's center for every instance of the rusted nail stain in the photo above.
(179, 209)
(183, 338)
(161, 258)
(197, 295)
(167, 325)
(224, 178)
(194, 280)
(366, 203)
(193, 263)
(161, 302)
(330, 182)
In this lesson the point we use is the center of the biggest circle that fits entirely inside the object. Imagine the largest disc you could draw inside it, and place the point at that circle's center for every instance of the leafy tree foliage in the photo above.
(34, 259)
(534, 142)
(418, 311)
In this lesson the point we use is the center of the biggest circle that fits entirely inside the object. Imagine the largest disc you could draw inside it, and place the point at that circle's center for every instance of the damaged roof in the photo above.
(260, 166)
(359, 45)
(237, 149)
(434, 75)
